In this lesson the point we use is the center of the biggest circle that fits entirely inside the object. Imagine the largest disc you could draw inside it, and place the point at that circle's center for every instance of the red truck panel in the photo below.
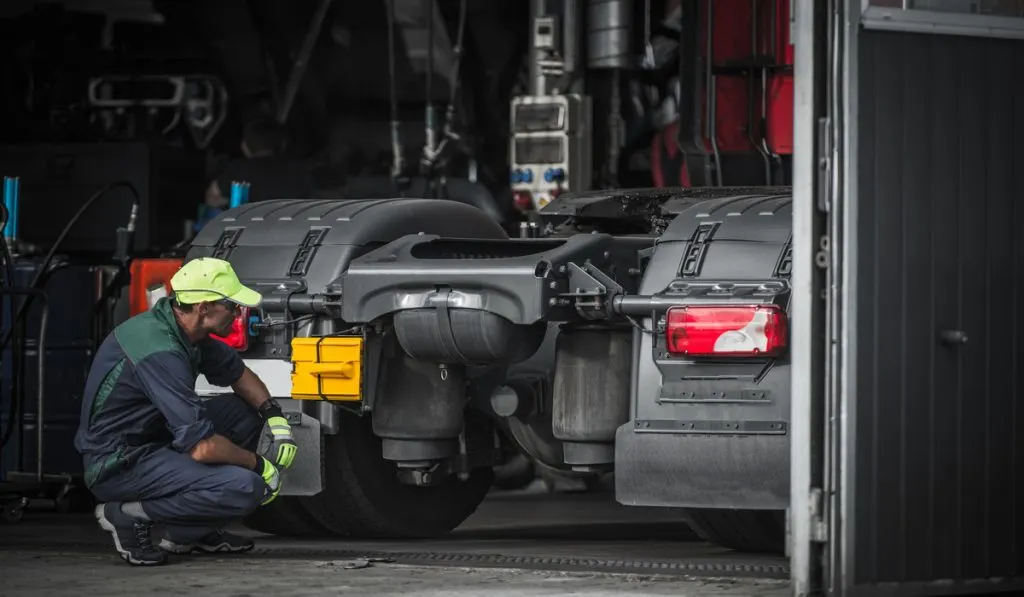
(779, 127)
(733, 46)
(732, 115)
(733, 40)
(783, 49)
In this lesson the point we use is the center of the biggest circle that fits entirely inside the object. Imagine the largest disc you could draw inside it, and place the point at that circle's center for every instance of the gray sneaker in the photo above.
(132, 537)
(215, 542)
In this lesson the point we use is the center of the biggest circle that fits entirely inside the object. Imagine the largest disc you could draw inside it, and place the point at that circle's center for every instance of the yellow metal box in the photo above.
(327, 368)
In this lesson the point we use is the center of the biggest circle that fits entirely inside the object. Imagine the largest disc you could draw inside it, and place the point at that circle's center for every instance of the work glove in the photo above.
(284, 447)
(272, 478)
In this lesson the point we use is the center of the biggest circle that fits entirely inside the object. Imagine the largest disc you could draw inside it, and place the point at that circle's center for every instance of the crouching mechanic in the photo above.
(154, 452)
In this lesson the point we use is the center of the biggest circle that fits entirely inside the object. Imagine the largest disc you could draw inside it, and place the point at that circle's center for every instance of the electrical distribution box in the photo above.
(551, 147)
(545, 34)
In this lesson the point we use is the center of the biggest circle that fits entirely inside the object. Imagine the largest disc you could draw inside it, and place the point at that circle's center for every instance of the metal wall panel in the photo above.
(939, 453)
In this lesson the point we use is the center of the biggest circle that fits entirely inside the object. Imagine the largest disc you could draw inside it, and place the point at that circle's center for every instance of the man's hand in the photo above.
(271, 476)
(285, 448)
(252, 389)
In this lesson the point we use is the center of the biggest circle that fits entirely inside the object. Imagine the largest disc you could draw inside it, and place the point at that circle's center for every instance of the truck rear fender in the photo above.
(711, 431)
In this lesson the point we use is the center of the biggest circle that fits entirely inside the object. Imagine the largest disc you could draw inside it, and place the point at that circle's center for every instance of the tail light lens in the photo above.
(726, 330)
(239, 336)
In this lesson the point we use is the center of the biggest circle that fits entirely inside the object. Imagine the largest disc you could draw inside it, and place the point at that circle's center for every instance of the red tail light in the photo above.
(726, 330)
(239, 336)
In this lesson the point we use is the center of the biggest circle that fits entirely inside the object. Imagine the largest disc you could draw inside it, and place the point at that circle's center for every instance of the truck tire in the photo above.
(363, 498)
(517, 473)
(760, 531)
(286, 517)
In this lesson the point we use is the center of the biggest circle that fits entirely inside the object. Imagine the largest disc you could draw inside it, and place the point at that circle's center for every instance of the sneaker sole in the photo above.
(107, 526)
(208, 549)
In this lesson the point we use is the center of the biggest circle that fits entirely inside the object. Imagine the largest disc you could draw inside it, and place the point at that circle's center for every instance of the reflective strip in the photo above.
(106, 389)
(275, 373)
(95, 471)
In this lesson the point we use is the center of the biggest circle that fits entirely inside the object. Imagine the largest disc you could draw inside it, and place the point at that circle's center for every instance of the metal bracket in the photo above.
(731, 397)
(583, 283)
(592, 290)
(709, 427)
(373, 356)
(825, 165)
(821, 256)
(461, 464)
(819, 529)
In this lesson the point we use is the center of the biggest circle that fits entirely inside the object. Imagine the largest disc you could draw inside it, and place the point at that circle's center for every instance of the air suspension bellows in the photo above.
(593, 364)
(418, 413)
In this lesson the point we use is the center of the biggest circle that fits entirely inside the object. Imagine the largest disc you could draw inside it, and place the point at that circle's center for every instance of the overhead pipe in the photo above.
(609, 24)
(398, 179)
(711, 95)
(537, 84)
(757, 54)
(572, 16)
(302, 60)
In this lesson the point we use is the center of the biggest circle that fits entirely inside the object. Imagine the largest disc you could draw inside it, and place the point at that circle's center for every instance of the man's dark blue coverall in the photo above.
(141, 417)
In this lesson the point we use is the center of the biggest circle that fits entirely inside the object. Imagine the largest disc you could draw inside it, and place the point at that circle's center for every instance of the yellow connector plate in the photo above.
(327, 368)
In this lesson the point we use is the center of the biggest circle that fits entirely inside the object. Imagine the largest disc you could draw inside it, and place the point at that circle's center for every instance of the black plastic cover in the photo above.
(307, 244)
(654, 206)
(744, 217)
(457, 189)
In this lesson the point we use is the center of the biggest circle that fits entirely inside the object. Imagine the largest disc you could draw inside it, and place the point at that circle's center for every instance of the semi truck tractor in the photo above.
(418, 344)
(415, 345)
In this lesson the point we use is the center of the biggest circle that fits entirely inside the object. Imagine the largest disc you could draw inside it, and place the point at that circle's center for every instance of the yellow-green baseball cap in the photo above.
(207, 279)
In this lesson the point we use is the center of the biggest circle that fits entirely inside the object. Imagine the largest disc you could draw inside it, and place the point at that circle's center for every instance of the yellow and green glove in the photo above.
(284, 448)
(271, 476)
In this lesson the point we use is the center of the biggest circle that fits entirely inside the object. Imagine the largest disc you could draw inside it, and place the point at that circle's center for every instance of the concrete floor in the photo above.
(551, 554)
(52, 574)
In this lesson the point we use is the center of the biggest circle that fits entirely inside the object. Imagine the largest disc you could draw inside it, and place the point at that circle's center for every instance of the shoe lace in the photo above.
(143, 538)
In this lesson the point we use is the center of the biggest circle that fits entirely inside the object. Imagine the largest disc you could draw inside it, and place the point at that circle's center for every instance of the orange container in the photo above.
(147, 273)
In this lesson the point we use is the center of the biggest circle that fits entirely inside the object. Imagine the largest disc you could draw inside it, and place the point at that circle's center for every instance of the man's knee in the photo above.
(240, 492)
(233, 418)
(113, 489)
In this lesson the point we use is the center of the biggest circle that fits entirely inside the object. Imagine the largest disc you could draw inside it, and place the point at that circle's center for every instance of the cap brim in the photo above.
(246, 297)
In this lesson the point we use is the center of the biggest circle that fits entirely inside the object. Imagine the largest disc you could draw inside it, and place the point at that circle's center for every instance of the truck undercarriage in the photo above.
(424, 344)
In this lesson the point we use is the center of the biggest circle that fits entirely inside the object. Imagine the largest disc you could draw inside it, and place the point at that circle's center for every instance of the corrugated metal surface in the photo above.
(939, 481)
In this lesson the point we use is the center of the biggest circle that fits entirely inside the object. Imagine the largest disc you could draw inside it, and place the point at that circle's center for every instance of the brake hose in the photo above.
(56, 244)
